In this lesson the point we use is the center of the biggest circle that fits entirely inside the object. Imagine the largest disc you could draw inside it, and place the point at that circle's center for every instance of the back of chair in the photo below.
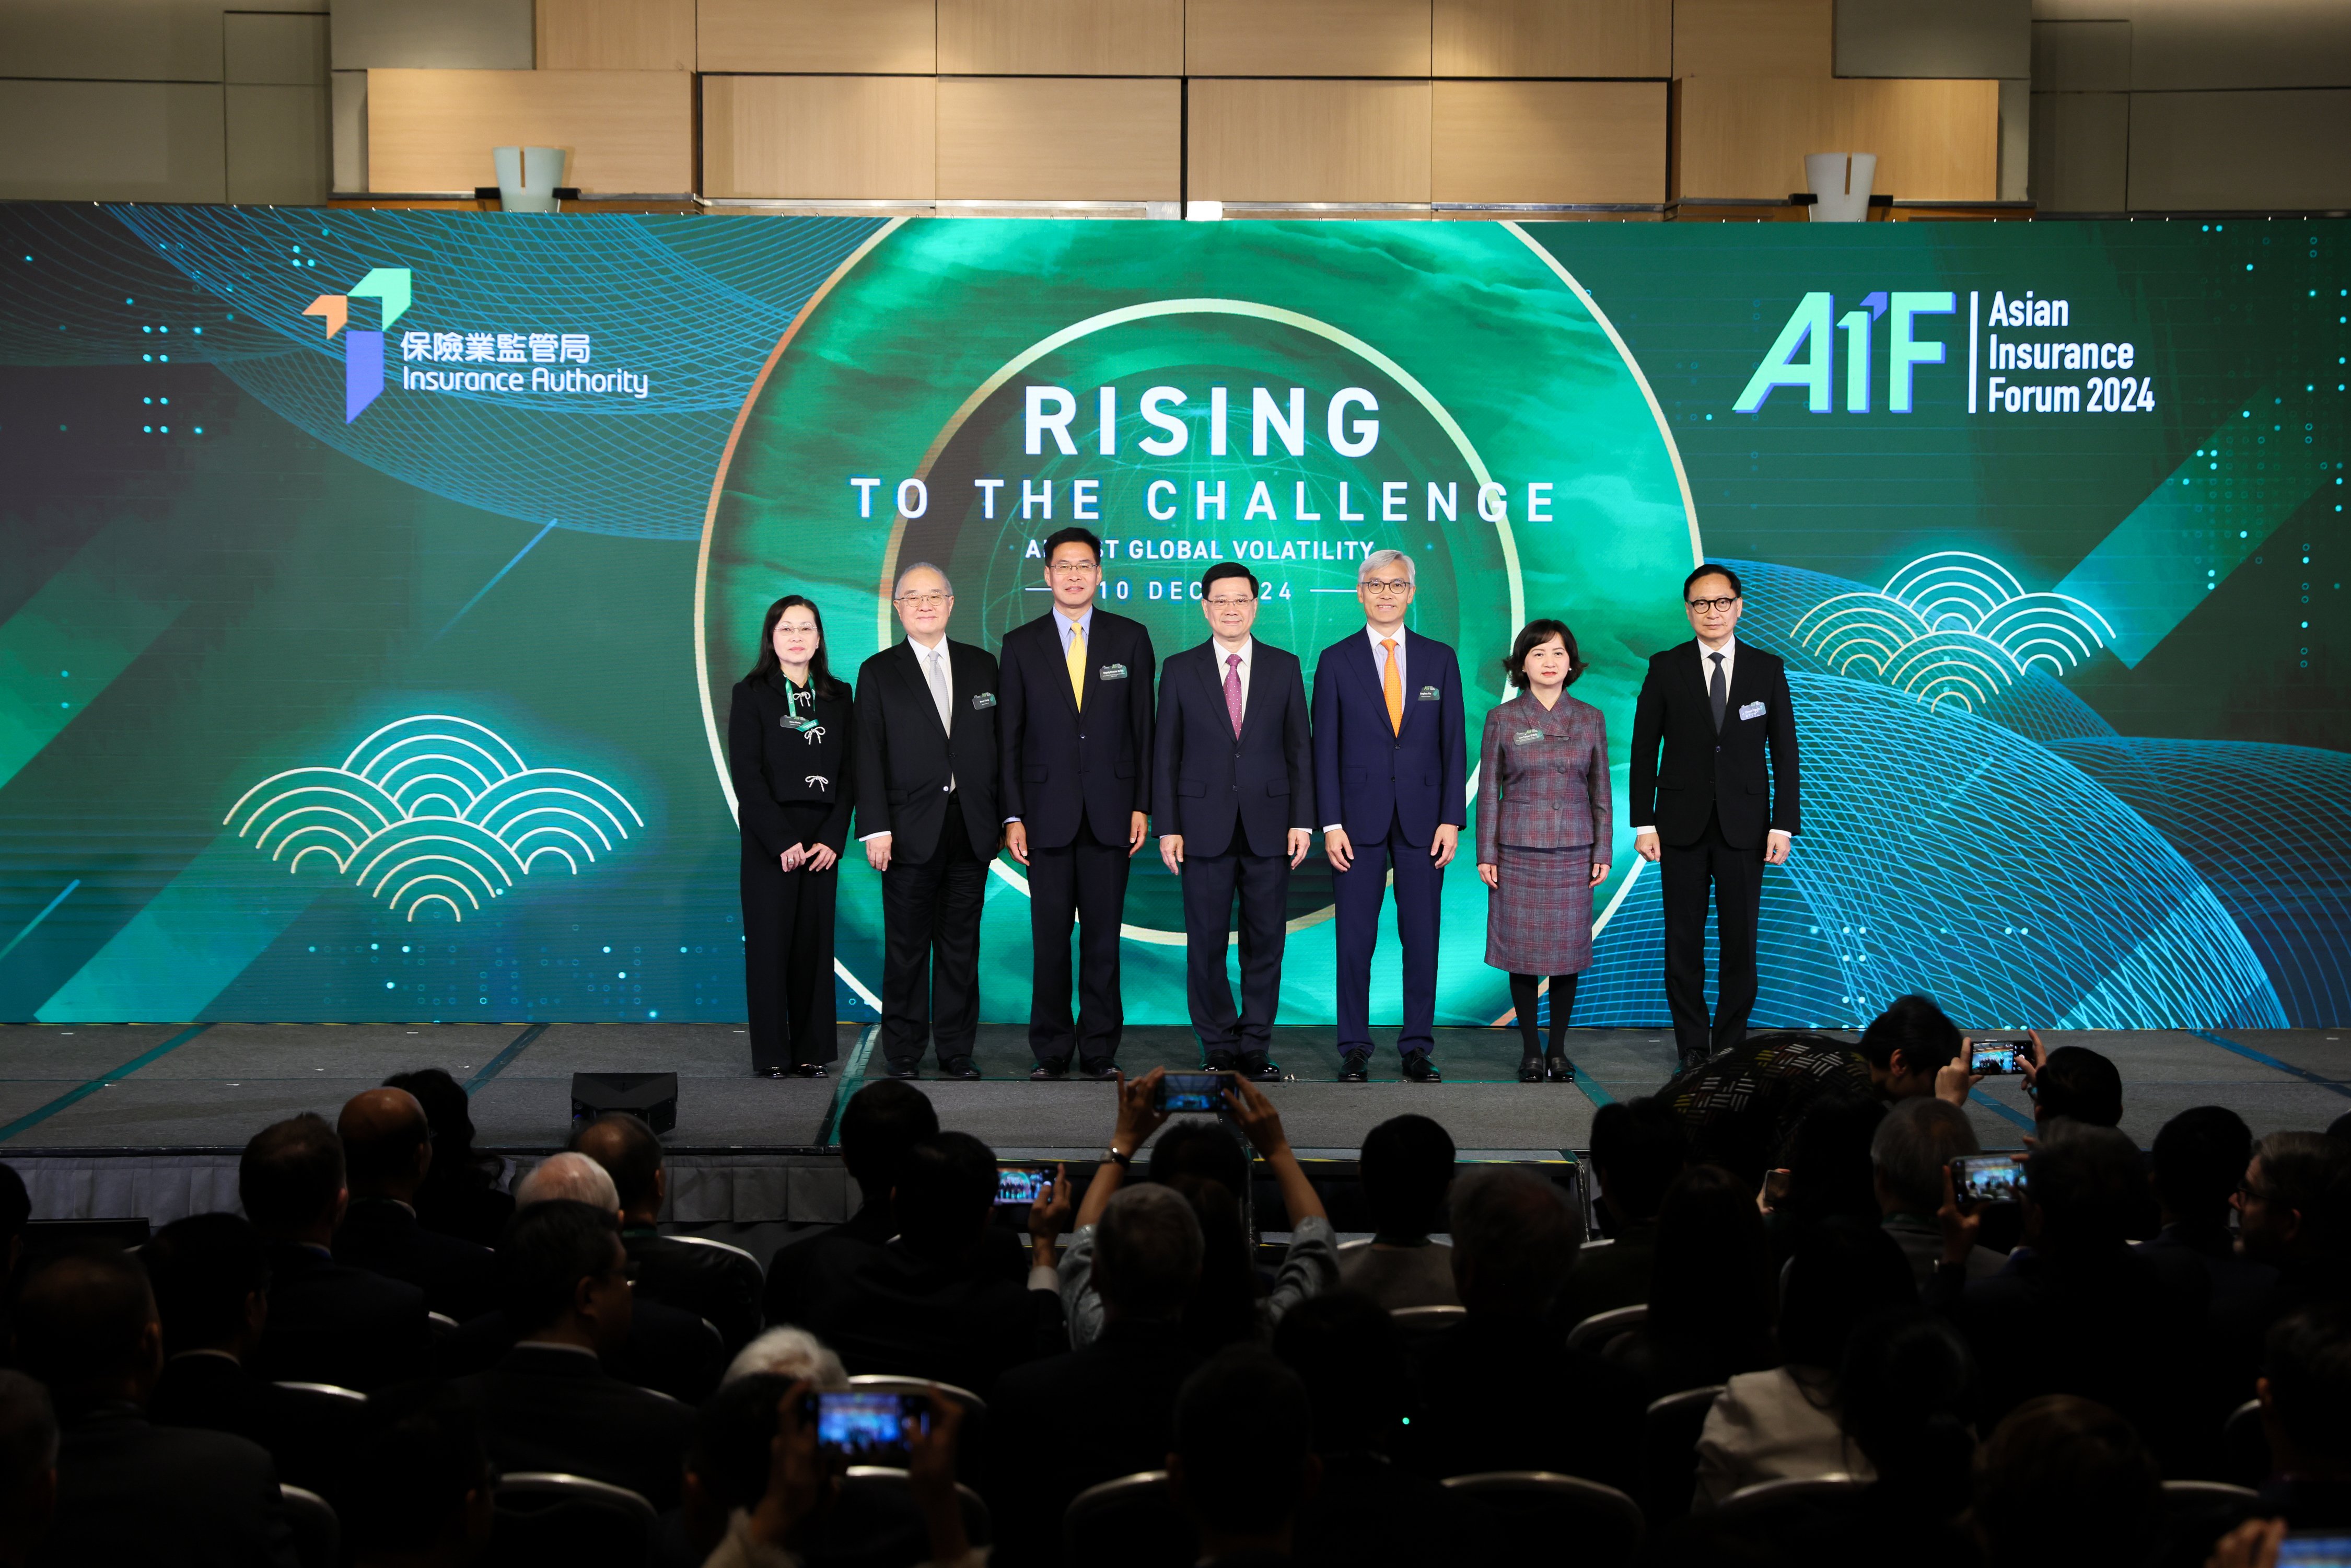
(441, 1326)
(1594, 1332)
(2200, 1493)
(1425, 1319)
(2245, 1445)
(880, 1500)
(971, 1438)
(1130, 1522)
(1552, 1518)
(1750, 1504)
(325, 1391)
(1669, 1434)
(317, 1533)
(550, 1520)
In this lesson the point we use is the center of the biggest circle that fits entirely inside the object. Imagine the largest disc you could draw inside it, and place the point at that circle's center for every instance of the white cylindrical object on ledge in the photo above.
(1840, 183)
(527, 177)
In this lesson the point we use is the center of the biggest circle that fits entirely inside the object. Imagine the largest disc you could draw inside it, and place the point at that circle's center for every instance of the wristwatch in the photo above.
(1121, 1161)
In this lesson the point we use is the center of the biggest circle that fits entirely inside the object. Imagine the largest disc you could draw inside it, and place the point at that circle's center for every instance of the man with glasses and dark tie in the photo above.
(1232, 790)
(926, 813)
(1076, 791)
(1391, 770)
(1712, 814)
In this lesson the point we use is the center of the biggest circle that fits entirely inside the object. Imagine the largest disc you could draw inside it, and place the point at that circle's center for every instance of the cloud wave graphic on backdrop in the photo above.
(435, 810)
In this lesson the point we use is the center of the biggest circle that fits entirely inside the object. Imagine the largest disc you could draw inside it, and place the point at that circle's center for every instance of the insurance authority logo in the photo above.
(363, 351)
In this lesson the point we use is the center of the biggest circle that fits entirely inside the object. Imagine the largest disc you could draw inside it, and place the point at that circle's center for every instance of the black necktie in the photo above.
(1717, 691)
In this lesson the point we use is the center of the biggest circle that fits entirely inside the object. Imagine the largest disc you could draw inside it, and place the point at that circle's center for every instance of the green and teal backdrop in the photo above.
(373, 582)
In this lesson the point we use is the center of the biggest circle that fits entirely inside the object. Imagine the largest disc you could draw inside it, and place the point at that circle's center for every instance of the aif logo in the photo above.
(1809, 329)
(363, 351)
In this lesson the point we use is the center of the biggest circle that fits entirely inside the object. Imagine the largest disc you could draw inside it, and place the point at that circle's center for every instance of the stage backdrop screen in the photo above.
(374, 582)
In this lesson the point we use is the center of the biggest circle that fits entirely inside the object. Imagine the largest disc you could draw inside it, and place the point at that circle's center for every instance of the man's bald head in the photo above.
(569, 1175)
(626, 1148)
(387, 1144)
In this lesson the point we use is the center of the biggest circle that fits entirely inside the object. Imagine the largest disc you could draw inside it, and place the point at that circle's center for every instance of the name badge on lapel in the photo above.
(1112, 672)
(1751, 710)
(1428, 693)
(1526, 738)
(985, 699)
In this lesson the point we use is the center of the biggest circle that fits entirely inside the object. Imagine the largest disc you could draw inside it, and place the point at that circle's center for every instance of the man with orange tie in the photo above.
(1075, 750)
(1391, 770)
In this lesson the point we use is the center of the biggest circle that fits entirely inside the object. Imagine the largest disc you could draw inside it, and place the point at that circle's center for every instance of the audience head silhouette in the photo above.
(291, 1182)
(728, 1461)
(1345, 1350)
(571, 1177)
(631, 1155)
(387, 1144)
(884, 1119)
(1841, 1273)
(945, 1196)
(1406, 1168)
(2304, 1389)
(28, 1465)
(16, 1212)
(418, 1489)
(1638, 1146)
(1515, 1237)
(2082, 1189)
(1828, 1164)
(565, 1275)
(1712, 1275)
(86, 1326)
(1910, 1150)
(2079, 1084)
(1907, 1044)
(1147, 1255)
(1243, 1461)
(793, 1354)
(1907, 1391)
(2199, 1156)
(210, 1277)
(2063, 1481)
(2282, 1206)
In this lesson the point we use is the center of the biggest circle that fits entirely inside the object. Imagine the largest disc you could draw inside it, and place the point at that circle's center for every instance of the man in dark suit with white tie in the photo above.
(1391, 770)
(1075, 729)
(1713, 814)
(926, 813)
(1233, 785)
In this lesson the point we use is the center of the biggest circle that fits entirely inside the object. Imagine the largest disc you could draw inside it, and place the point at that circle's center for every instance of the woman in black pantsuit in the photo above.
(790, 750)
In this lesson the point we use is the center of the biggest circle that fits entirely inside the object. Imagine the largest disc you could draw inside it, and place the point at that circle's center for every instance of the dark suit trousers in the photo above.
(1734, 878)
(1419, 912)
(788, 961)
(1209, 884)
(1084, 881)
(930, 947)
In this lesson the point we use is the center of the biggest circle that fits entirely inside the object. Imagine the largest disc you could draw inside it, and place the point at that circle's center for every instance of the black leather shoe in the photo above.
(961, 1067)
(769, 1071)
(808, 1069)
(1099, 1071)
(1692, 1063)
(1531, 1069)
(1223, 1061)
(904, 1070)
(1257, 1069)
(1045, 1072)
(1561, 1069)
(1420, 1069)
(1356, 1067)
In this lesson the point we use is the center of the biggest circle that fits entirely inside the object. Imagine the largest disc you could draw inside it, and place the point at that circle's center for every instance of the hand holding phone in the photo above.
(1992, 1054)
(1194, 1092)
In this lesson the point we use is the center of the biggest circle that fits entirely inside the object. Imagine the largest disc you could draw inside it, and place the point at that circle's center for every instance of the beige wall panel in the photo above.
(278, 145)
(2236, 149)
(1061, 37)
(629, 132)
(1548, 141)
(2081, 151)
(275, 49)
(1747, 136)
(616, 35)
(823, 137)
(1309, 141)
(433, 34)
(112, 40)
(1554, 38)
(110, 142)
(1754, 38)
(1066, 138)
(2081, 56)
(883, 36)
(1306, 38)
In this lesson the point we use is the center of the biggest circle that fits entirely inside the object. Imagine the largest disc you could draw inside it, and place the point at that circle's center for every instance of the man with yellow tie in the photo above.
(1075, 753)
(1391, 772)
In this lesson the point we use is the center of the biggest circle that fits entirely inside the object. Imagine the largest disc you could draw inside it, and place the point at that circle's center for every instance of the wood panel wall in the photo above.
(1307, 38)
(629, 132)
(1259, 140)
(1553, 38)
(1060, 37)
(865, 138)
(615, 35)
(1572, 141)
(844, 35)
(1078, 139)
(1746, 137)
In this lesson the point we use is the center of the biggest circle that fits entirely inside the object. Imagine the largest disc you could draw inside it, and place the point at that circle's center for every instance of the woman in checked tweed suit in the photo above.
(1542, 835)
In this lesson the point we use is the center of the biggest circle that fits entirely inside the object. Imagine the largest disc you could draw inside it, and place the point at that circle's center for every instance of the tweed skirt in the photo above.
(1538, 922)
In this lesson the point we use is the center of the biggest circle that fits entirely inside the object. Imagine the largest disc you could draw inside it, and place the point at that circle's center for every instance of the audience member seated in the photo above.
(1202, 1160)
(1637, 1149)
(1242, 1464)
(2077, 1311)
(549, 1404)
(1741, 1105)
(387, 1152)
(793, 1354)
(29, 1466)
(932, 1303)
(2075, 1083)
(418, 1492)
(882, 1122)
(2287, 1219)
(668, 1351)
(1786, 1423)
(1501, 1390)
(211, 1279)
(329, 1321)
(461, 1195)
(716, 1284)
(15, 1213)
(2305, 1394)
(1909, 1153)
(2199, 1157)
(2063, 1481)
(1712, 1289)
(1406, 1166)
(1368, 1511)
(1061, 1424)
(1827, 1168)
(129, 1491)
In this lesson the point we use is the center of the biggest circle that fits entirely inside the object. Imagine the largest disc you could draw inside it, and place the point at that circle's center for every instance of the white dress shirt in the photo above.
(1379, 657)
(946, 719)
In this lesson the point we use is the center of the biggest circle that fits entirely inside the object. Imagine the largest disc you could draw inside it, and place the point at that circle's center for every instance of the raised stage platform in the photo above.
(107, 1120)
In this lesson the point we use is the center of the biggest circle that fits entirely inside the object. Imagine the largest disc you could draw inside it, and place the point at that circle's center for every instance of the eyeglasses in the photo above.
(2251, 1193)
(1713, 606)
(922, 600)
(1385, 586)
(1074, 567)
(1227, 603)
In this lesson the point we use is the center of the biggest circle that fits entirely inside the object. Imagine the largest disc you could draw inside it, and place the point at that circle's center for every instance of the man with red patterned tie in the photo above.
(1233, 794)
